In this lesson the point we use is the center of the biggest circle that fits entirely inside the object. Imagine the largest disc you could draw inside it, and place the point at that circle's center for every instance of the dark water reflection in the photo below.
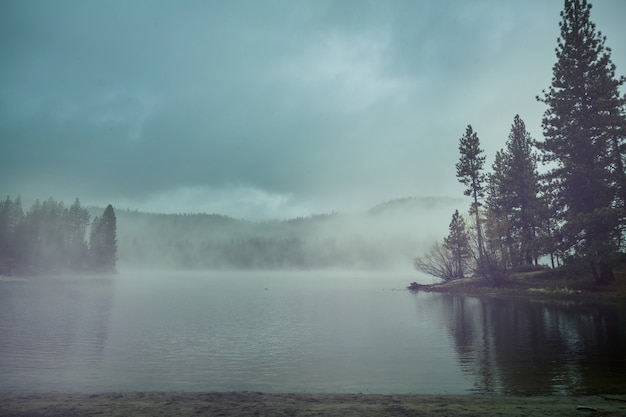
(525, 347)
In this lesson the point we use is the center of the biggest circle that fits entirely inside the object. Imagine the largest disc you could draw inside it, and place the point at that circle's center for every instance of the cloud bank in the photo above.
(266, 109)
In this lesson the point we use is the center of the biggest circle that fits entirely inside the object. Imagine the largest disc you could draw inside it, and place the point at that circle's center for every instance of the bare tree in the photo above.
(439, 262)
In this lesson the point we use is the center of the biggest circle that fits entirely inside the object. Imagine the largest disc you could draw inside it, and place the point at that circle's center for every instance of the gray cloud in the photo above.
(302, 106)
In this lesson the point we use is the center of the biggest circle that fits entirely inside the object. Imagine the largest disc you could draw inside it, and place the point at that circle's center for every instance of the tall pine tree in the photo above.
(469, 172)
(103, 241)
(584, 140)
(513, 194)
(11, 222)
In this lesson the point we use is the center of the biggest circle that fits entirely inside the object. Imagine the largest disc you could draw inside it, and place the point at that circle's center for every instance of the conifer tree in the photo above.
(584, 140)
(103, 241)
(457, 242)
(498, 208)
(513, 194)
(110, 236)
(469, 172)
(11, 222)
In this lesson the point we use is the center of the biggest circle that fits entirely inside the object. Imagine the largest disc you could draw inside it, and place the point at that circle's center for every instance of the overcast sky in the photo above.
(267, 109)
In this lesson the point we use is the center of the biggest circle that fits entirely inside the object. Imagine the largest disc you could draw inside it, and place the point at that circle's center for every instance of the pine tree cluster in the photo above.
(574, 212)
(50, 237)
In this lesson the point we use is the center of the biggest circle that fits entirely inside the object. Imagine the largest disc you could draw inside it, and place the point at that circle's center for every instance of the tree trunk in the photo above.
(619, 165)
(479, 231)
(603, 272)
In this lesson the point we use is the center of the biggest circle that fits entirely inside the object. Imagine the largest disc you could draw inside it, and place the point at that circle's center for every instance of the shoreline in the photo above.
(533, 286)
(260, 404)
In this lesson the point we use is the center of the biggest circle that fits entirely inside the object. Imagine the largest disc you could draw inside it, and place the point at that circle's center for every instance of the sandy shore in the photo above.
(260, 404)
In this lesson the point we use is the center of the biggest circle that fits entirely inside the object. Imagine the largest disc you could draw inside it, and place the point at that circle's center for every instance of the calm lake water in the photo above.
(298, 332)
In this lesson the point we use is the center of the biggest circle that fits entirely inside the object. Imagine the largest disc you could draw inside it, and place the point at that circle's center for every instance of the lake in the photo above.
(300, 332)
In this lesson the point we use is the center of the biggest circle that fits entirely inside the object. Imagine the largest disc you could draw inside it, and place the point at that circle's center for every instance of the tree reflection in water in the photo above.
(525, 347)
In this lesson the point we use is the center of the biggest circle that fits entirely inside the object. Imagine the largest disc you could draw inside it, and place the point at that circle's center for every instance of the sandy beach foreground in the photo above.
(260, 404)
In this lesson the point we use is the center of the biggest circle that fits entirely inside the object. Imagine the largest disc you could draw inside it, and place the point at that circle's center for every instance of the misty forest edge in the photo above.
(570, 215)
(51, 238)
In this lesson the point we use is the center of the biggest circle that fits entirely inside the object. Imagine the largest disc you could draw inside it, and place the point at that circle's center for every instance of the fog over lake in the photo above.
(297, 332)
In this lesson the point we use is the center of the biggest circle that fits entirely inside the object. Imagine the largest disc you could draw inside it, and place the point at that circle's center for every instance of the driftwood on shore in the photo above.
(453, 286)
(414, 286)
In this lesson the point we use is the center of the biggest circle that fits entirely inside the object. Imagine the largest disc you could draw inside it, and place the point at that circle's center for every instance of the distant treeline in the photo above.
(53, 237)
(386, 236)
(50, 237)
(256, 252)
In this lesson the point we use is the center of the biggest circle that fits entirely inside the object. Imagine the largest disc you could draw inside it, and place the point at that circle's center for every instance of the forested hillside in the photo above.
(389, 235)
